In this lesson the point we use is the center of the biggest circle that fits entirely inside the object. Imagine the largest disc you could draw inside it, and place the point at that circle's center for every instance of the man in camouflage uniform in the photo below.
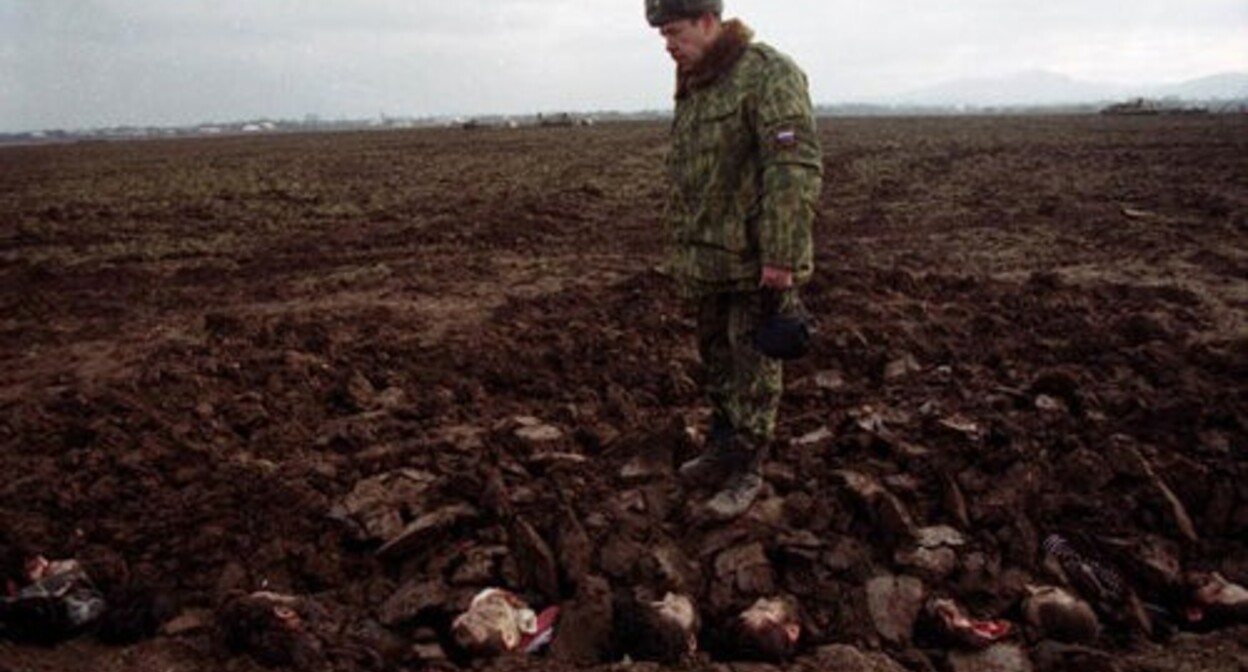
(745, 172)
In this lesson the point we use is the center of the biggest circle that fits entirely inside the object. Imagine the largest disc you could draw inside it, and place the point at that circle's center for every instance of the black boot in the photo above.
(744, 483)
(714, 464)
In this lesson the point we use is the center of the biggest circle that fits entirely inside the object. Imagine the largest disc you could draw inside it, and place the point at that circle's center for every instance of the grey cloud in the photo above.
(103, 62)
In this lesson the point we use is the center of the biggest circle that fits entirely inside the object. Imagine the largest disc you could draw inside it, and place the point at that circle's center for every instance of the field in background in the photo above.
(205, 345)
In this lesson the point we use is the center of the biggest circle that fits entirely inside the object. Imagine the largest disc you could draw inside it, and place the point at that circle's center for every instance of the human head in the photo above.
(1058, 615)
(268, 627)
(678, 610)
(770, 629)
(494, 623)
(663, 631)
(1209, 594)
(37, 568)
(688, 27)
(673, 626)
(22, 565)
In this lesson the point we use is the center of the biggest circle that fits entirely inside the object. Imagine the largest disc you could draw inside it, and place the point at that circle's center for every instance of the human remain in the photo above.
(46, 601)
(745, 171)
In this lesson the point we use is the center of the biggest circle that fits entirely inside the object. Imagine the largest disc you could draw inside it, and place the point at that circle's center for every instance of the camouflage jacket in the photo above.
(745, 168)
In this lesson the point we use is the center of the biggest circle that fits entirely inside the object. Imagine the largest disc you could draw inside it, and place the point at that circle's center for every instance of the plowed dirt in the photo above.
(1027, 326)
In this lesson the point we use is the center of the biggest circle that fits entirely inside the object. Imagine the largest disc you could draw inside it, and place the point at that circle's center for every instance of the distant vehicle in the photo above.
(561, 119)
(1139, 106)
(1143, 106)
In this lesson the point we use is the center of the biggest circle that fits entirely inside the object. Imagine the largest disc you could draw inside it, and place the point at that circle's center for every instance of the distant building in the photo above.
(564, 119)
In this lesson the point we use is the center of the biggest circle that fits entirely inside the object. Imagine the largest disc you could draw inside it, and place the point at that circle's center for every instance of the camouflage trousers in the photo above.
(743, 385)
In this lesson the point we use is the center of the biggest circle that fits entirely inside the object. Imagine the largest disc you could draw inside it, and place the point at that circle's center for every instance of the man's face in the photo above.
(773, 614)
(37, 568)
(688, 40)
(491, 625)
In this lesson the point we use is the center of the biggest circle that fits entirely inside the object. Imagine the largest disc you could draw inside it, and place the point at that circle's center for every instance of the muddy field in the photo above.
(242, 363)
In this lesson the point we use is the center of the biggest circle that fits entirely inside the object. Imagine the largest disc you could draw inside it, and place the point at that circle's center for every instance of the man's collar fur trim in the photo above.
(718, 59)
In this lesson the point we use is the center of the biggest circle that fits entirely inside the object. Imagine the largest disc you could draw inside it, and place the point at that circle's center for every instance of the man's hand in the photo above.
(776, 277)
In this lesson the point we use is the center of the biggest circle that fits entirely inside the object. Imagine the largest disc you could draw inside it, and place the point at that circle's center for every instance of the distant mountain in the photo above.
(1225, 86)
(1038, 87)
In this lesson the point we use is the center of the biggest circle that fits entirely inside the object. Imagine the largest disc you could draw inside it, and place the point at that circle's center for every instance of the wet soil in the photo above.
(1026, 326)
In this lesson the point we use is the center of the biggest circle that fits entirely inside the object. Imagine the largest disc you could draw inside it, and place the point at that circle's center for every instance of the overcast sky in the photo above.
(93, 63)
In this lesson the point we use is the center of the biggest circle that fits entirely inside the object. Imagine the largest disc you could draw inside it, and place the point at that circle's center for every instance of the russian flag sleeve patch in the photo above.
(786, 138)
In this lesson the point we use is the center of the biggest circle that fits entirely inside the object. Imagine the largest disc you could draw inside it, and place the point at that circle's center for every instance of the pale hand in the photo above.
(775, 277)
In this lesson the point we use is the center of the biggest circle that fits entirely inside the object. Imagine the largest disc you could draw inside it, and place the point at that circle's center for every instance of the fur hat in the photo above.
(660, 12)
